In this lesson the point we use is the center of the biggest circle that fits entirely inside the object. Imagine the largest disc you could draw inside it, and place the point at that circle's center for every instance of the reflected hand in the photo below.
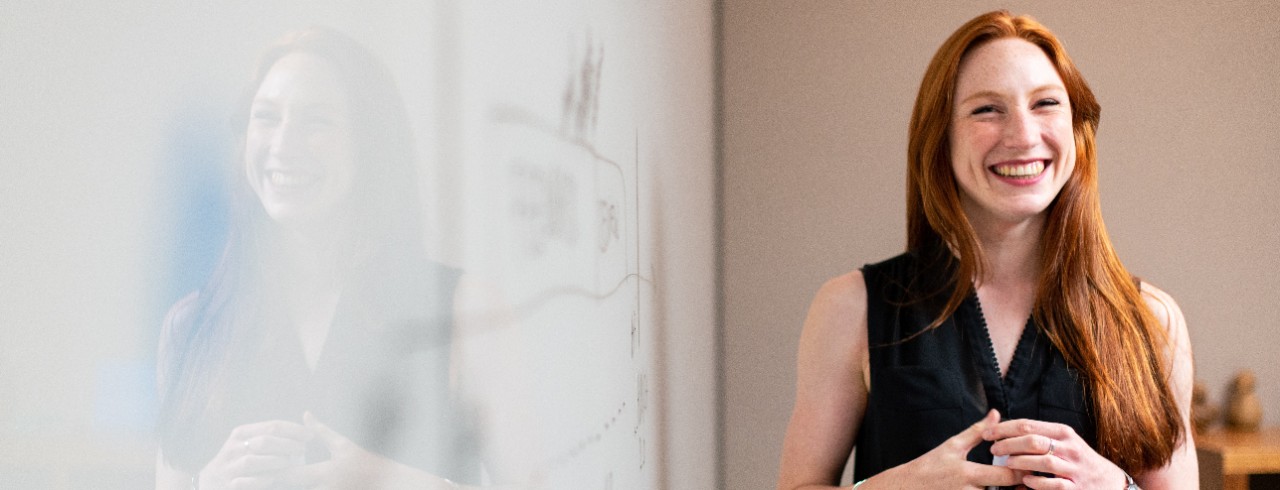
(254, 455)
(947, 466)
(1053, 449)
(353, 467)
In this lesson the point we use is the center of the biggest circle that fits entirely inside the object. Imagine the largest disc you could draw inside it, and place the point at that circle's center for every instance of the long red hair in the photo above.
(1086, 301)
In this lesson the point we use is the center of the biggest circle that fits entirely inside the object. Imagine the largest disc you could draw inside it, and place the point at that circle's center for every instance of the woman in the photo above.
(317, 354)
(1008, 346)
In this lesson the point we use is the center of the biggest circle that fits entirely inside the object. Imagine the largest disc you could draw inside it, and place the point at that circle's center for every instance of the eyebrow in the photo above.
(309, 107)
(996, 95)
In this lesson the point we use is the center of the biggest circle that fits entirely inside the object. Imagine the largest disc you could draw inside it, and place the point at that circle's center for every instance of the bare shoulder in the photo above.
(831, 393)
(844, 292)
(834, 339)
(1164, 308)
(839, 309)
(178, 321)
(1183, 466)
(1178, 348)
(179, 315)
(176, 326)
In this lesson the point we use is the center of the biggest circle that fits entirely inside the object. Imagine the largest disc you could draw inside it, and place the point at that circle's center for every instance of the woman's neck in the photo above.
(309, 282)
(307, 255)
(1007, 288)
(1012, 251)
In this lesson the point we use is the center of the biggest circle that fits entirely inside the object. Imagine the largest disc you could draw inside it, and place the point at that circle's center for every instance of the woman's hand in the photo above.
(353, 467)
(254, 455)
(1055, 449)
(947, 466)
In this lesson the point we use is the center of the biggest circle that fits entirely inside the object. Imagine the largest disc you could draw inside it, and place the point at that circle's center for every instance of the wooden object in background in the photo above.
(1244, 409)
(1227, 458)
(1203, 413)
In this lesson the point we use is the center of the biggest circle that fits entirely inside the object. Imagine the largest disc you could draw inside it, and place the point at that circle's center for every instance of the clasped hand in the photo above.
(1060, 457)
(272, 455)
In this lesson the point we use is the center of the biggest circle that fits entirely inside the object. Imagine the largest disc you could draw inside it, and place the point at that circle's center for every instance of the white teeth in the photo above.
(1031, 169)
(288, 180)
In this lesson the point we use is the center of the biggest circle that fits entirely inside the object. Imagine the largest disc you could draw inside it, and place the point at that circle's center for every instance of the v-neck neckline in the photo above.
(984, 347)
(310, 367)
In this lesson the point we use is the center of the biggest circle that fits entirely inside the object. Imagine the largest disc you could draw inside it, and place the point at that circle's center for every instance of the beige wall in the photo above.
(816, 101)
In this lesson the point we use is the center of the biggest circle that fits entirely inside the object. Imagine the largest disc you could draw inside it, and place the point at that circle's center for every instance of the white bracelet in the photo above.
(1129, 483)
(856, 485)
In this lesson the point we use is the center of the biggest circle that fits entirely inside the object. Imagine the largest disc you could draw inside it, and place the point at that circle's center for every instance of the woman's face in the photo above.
(1012, 146)
(298, 150)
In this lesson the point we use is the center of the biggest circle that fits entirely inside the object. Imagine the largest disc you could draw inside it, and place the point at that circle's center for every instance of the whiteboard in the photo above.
(555, 211)
(568, 155)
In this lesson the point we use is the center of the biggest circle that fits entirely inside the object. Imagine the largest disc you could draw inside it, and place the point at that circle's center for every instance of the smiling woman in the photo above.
(1009, 128)
(298, 153)
(1008, 345)
(318, 352)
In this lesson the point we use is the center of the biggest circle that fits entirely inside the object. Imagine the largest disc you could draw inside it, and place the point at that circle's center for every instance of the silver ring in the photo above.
(1050, 453)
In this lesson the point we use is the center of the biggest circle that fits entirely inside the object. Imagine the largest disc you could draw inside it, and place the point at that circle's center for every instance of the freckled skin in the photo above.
(1011, 106)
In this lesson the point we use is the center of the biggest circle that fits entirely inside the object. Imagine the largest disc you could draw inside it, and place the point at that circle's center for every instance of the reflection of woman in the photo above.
(1009, 302)
(317, 353)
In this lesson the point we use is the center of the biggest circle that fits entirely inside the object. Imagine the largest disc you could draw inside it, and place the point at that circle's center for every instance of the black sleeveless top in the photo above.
(381, 380)
(929, 387)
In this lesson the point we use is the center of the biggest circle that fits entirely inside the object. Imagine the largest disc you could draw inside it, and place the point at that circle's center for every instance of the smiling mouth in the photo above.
(1028, 170)
(290, 179)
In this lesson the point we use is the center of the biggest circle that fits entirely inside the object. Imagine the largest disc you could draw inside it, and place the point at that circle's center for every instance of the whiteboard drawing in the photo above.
(562, 364)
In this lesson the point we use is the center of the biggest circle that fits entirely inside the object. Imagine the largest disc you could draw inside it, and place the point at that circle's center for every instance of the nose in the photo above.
(1021, 130)
(289, 139)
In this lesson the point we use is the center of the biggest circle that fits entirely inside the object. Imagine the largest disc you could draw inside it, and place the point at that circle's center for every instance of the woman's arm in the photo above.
(831, 394)
(167, 477)
(1183, 471)
(831, 398)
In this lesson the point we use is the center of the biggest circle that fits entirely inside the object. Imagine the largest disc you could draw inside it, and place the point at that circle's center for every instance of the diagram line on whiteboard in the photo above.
(517, 116)
(501, 320)
(520, 117)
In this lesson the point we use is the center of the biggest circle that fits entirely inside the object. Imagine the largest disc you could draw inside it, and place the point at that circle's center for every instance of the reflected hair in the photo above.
(1086, 302)
(228, 311)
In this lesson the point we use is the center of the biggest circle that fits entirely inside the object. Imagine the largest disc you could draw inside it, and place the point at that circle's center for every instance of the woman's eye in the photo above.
(984, 110)
(263, 115)
(1047, 102)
